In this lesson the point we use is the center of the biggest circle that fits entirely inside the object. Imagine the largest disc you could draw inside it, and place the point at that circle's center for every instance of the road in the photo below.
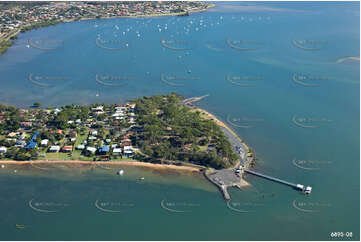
(236, 142)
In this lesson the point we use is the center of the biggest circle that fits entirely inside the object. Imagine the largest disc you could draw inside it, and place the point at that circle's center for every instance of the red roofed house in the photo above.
(26, 124)
(67, 149)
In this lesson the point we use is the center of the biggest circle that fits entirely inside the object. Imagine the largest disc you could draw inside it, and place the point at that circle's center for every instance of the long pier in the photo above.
(307, 189)
(271, 178)
(193, 99)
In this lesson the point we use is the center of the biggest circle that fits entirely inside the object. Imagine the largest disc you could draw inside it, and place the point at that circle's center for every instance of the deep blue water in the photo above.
(268, 104)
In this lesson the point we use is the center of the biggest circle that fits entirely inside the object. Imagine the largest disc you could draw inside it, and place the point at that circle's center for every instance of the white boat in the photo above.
(120, 172)
(308, 190)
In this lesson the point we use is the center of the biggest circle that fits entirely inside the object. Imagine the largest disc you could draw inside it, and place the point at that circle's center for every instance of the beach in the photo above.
(120, 163)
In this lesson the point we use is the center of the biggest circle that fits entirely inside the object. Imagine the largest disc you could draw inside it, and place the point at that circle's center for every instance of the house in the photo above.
(78, 121)
(108, 140)
(80, 147)
(92, 138)
(57, 110)
(44, 142)
(25, 124)
(73, 134)
(94, 133)
(117, 151)
(20, 143)
(13, 134)
(72, 139)
(30, 145)
(128, 151)
(3, 149)
(125, 142)
(67, 149)
(118, 114)
(20, 136)
(103, 150)
(91, 149)
(98, 109)
(54, 148)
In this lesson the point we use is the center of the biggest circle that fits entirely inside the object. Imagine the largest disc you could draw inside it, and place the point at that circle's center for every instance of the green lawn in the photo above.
(57, 156)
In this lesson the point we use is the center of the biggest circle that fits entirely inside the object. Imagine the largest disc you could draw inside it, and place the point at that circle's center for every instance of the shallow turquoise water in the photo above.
(268, 106)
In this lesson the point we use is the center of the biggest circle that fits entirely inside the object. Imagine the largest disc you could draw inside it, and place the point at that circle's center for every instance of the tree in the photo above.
(36, 104)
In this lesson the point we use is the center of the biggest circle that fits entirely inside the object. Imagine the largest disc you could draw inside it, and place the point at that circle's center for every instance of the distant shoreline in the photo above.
(15, 34)
(143, 16)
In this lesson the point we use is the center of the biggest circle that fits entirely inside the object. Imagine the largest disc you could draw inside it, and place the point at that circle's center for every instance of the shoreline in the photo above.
(225, 126)
(119, 163)
(3, 40)
(143, 16)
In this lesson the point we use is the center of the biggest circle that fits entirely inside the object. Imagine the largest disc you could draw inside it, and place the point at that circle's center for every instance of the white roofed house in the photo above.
(44, 142)
(118, 114)
(92, 138)
(98, 109)
(91, 150)
(128, 151)
(80, 147)
(3, 149)
(54, 148)
(117, 151)
(57, 110)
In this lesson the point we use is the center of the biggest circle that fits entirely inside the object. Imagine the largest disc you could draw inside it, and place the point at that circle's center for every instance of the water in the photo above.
(268, 105)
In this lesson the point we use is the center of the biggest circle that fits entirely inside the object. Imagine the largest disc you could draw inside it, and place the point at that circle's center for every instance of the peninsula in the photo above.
(160, 131)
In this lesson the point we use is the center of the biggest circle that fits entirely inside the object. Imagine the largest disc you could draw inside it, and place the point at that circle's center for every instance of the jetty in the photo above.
(193, 99)
(223, 179)
(305, 189)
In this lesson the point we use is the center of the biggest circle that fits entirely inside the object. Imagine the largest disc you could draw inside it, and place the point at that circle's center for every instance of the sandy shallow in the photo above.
(120, 163)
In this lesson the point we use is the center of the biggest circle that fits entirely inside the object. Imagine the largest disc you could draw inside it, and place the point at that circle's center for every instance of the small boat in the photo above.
(20, 226)
(308, 190)
(141, 178)
(27, 46)
(2, 166)
(120, 172)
